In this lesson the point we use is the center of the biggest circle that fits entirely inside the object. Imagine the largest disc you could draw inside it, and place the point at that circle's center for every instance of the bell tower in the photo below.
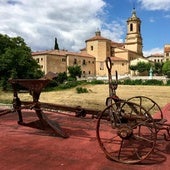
(133, 39)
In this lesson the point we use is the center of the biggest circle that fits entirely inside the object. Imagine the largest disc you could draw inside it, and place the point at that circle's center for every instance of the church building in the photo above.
(92, 57)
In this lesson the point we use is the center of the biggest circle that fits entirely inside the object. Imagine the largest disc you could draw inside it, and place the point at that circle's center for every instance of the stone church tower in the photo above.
(133, 39)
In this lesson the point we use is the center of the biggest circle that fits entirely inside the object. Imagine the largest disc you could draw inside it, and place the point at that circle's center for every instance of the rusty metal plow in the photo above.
(35, 87)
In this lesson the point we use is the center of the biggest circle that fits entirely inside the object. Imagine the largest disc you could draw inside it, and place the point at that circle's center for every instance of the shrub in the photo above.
(132, 82)
(97, 82)
(67, 85)
(168, 83)
(153, 82)
(142, 82)
(168, 74)
(81, 90)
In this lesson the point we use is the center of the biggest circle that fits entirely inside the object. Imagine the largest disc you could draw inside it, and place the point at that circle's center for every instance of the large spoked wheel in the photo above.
(126, 132)
(150, 105)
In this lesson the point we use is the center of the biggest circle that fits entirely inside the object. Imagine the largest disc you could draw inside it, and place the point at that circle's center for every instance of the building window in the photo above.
(131, 27)
(63, 59)
(91, 48)
(123, 64)
(167, 54)
(89, 72)
(41, 59)
(84, 62)
(139, 28)
(75, 61)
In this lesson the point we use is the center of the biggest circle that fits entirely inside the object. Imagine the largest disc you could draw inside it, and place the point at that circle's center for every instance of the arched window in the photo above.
(139, 28)
(131, 27)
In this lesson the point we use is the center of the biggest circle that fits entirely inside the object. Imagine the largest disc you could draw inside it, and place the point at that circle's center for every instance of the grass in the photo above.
(96, 96)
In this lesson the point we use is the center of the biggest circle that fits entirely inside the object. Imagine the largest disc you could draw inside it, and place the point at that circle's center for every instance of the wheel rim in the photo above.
(150, 105)
(122, 138)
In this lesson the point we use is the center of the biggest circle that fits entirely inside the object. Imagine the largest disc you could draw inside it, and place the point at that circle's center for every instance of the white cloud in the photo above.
(39, 22)
(114, 30)
(153, 51)
(155, 4)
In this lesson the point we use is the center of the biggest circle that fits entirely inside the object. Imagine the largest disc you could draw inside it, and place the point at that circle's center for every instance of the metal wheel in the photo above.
(126, 132)
(151, 106)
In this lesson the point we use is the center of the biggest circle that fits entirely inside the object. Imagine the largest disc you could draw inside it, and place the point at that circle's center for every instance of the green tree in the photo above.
(16, 60)
(61, 77)
(142, 66)
(75, 71)
(56, 47)
(133, 67)
(166, 67)
(157, 68)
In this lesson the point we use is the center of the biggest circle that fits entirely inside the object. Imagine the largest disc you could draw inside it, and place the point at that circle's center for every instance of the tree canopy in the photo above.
(16, 60)
(75, 71)
(140, 67)
(166, 67)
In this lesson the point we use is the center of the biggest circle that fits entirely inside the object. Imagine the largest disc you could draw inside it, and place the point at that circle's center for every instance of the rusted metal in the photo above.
(5, 111)
(113, 85)
(130, 130)
(35, 87)
(77, 110)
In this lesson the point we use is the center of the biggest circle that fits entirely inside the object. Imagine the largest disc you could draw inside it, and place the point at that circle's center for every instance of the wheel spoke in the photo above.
(137, 137)
(120, 149)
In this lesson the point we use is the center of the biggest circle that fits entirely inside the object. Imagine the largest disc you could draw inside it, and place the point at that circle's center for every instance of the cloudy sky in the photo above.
(74, 21)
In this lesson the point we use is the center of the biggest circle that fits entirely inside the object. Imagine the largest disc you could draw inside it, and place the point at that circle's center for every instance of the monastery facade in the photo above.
(92, 57)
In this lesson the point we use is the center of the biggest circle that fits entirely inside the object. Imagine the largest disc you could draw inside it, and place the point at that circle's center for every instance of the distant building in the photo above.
(167, 52)
(156, 58)
(58, 61)
(92, 57)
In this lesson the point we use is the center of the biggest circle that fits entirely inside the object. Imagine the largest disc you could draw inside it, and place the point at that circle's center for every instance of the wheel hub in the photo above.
(125, 132)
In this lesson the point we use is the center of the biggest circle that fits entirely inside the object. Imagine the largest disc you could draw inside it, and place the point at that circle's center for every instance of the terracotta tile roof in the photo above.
(61, 53)
(167, 49)
(97, 37)
(41, 52)
(83, 54)
(116, 44)
(83, 49)
(156, 55)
